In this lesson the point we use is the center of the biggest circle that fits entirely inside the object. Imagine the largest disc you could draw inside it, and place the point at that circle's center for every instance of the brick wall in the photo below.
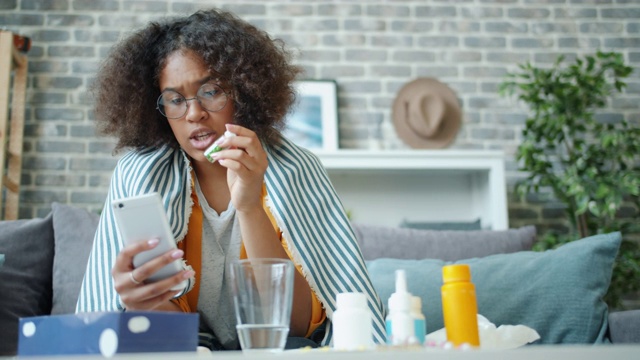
(371, 48)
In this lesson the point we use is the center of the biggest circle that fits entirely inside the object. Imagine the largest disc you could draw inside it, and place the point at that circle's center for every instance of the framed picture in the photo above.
(313, 120)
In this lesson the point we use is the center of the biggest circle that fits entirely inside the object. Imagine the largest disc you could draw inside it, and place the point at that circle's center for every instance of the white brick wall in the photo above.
(371, 48)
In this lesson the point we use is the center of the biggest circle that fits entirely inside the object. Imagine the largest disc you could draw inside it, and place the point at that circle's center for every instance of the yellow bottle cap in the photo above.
(457, 272)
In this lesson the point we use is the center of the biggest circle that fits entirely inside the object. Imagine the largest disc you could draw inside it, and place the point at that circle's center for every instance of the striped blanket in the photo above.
(300, 196)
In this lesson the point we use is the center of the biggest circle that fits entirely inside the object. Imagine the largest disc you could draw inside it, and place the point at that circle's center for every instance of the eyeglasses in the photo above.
(173, 105)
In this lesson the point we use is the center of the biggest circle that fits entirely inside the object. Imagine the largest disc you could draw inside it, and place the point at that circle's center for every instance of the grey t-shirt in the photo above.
(221, 240)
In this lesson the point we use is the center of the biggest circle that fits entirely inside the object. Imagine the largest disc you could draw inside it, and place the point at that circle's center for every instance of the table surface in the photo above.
(564, 352)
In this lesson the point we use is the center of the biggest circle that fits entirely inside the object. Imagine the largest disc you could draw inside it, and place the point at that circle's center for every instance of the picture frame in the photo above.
(313, 120)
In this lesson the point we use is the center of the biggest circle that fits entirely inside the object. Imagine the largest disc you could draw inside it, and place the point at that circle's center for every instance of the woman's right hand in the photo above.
(129, 282)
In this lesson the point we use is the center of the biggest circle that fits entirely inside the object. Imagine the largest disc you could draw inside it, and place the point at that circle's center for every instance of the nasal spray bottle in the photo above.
(399, 322)
(419, 321)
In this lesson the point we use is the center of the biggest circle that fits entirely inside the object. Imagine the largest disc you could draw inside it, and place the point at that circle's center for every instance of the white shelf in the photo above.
(389, 187)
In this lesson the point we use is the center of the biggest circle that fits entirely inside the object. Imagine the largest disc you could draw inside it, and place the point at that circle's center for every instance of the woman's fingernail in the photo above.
(188, 274)
(153, 242)
(177, 254)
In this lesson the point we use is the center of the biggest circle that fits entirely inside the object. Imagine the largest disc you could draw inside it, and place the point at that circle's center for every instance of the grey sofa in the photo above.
(557, 292)
(45, 260)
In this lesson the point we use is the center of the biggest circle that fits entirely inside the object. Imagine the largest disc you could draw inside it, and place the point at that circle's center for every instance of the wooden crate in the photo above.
(13, 86)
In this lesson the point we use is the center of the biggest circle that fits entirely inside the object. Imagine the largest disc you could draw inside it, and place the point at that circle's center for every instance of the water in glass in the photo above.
(262, 338)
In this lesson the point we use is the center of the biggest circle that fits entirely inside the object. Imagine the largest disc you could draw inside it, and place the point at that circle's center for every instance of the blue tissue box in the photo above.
(108, 333)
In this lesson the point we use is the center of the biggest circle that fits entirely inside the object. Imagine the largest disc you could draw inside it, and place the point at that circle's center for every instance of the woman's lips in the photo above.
(202, 140)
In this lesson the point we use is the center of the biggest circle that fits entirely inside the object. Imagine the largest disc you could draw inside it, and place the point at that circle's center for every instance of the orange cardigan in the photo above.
(192, 247)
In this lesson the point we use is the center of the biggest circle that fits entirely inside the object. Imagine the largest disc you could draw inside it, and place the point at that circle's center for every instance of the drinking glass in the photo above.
(262, 296)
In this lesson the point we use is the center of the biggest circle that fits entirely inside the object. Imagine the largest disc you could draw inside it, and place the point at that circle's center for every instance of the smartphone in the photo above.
(143, 218)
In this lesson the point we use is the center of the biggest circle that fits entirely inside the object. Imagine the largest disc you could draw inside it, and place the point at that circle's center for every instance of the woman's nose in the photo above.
(195, 111)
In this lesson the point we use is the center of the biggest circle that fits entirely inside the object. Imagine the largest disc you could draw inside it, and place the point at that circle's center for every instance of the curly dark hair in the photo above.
(254, 67)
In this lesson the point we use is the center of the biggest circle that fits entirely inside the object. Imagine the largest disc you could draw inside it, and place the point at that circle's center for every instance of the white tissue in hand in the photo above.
(503, 337)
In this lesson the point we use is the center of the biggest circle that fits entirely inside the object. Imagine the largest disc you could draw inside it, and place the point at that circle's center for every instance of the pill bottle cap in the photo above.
(416, 304)
(351, 300)
(456, 273)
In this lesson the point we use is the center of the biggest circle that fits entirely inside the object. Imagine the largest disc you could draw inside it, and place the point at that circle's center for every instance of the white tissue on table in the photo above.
(502, 337)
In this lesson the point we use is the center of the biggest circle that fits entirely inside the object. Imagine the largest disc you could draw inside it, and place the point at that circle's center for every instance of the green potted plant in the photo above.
(591, 166)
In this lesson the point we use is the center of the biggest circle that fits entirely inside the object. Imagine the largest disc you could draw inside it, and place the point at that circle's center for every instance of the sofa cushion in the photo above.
(73, 231)
(25, 277)
(557, 292)
(442, 225)
(446, 245)
(624, 326)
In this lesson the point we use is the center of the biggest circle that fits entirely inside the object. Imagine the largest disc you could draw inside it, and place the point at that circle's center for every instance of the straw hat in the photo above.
(426, 114)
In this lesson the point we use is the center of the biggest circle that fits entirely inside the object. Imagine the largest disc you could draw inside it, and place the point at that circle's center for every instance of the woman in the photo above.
(167, 92)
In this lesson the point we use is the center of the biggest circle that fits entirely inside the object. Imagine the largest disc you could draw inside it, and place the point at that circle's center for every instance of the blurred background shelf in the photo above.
(395, 186)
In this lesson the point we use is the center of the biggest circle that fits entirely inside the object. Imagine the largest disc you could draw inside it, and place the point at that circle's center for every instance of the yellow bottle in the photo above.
(459, 306)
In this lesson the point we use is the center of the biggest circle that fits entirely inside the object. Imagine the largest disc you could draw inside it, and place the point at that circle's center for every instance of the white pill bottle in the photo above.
(352, 324)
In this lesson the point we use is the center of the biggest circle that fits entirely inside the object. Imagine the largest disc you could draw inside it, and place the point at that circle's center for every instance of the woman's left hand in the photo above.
(246, 163)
